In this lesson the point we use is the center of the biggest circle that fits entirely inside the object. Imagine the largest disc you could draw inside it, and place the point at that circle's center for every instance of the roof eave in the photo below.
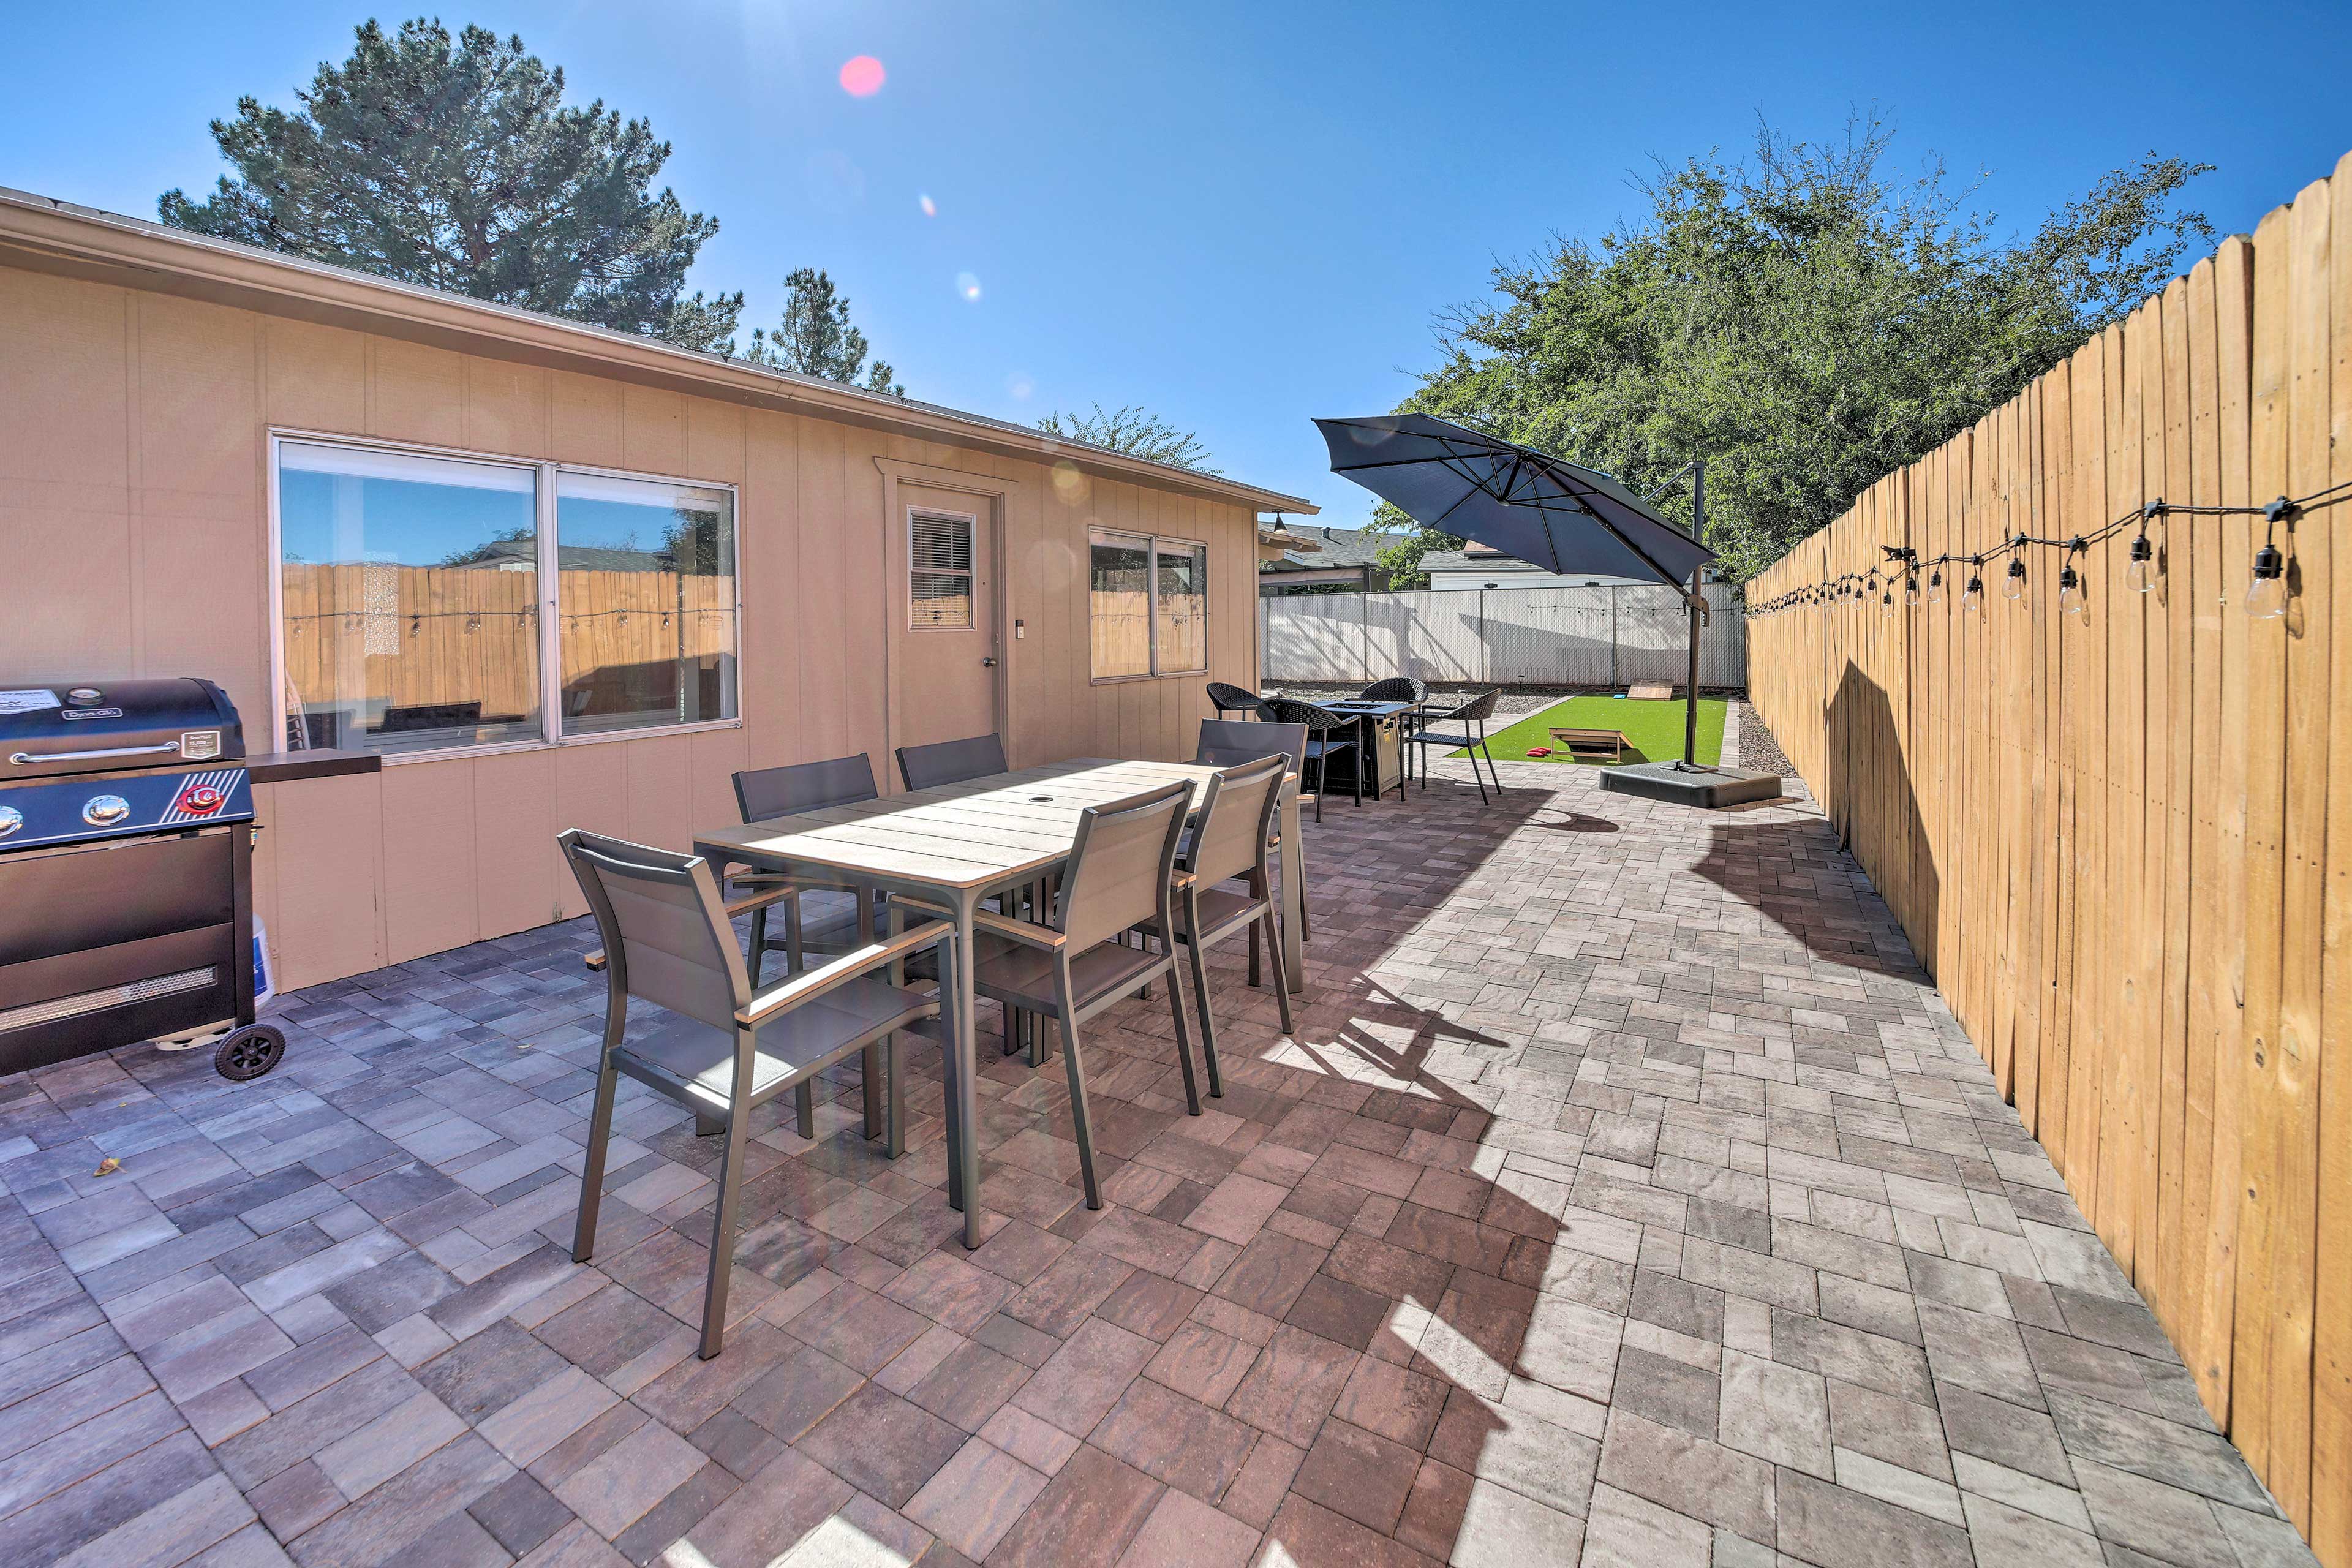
(58, 236)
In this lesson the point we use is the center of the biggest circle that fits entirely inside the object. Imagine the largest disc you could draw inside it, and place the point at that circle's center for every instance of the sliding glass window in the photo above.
(433, 603)
(411, 592)
(1149, 605)
(645, 596)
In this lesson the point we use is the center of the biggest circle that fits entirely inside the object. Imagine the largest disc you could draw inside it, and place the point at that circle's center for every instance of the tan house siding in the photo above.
(134, 454)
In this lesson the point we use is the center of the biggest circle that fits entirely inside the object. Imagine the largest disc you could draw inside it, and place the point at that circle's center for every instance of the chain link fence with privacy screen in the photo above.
(1503, 636)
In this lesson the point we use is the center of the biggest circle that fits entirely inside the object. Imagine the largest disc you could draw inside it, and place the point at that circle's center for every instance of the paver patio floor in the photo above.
(1626, 1196)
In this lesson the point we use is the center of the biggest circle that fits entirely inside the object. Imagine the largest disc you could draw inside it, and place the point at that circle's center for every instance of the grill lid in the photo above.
(111, 726)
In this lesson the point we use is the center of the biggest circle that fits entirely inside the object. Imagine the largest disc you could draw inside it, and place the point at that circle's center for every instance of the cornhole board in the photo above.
(1652, 691)
(1610, 744)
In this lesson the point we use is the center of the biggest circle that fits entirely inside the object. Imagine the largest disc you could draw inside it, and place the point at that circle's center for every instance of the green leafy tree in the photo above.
(1399, 559)
(1134, 431)
(455, 163)
(815, 337)
(1806, 318)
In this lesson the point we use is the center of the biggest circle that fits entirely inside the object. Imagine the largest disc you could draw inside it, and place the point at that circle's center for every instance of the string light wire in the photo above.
(2269, 566)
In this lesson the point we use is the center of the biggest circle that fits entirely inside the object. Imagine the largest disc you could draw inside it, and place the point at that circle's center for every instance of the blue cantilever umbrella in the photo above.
(1543, 510)
(1546, 512)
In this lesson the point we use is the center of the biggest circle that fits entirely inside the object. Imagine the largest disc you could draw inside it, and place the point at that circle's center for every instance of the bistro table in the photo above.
(1380, 740)
(957, 843)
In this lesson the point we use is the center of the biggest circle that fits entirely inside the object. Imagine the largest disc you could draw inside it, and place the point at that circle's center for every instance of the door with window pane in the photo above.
(946, 619)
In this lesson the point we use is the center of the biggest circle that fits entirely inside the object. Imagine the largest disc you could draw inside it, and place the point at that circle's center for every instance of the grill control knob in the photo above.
(105, 810)
(11, 819)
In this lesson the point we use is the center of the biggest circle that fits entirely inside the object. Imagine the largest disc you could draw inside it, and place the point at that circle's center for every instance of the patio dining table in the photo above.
(957, 843)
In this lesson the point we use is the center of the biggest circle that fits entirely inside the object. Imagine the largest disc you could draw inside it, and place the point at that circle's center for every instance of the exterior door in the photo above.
(950, 659)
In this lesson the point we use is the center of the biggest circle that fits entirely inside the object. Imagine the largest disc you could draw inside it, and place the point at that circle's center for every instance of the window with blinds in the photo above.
(938, 570)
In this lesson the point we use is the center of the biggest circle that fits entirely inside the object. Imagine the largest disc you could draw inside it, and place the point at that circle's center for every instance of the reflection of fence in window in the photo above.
(1120, 626)
(463, 635)
(1180, 580)
(1535, 636)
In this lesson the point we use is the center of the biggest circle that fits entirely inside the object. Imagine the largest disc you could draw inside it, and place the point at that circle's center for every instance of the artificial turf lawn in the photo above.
(1655, 730)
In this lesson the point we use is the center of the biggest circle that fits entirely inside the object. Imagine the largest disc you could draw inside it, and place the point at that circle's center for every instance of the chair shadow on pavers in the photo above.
(1553, 1227)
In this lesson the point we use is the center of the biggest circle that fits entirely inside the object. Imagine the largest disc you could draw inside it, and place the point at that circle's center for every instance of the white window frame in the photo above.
(1151, 544)
(551, 646)
(970, 574)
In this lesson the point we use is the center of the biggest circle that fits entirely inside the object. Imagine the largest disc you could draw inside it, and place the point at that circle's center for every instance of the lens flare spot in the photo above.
(1069, 484)
(862, 76)
(1020, 386)
(968, 286)
(930, 209)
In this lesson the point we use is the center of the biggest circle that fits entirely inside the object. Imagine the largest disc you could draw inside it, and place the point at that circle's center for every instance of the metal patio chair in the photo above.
(1120, 874)
(951, 761)
(1229, 699)
(761, 793)
(1224, 742)
(727, 1047)
(1322, 724)
(1231, 840)
(1471, 738)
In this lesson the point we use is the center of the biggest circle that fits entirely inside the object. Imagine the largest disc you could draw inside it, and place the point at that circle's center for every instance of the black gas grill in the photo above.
(126, 873)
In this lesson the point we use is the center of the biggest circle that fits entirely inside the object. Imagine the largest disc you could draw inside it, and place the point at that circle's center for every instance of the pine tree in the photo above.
(454, 163)
(815, 337)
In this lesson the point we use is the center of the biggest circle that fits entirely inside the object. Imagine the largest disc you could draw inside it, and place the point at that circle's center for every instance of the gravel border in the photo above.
(1758, 749)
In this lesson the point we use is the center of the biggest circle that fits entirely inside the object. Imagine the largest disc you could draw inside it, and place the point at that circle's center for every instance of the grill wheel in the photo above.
(249, 1052)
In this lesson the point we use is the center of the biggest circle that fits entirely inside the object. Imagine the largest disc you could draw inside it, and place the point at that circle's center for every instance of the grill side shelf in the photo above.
(283, 767)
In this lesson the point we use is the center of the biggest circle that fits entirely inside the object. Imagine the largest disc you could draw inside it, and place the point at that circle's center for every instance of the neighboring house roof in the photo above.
(44, 234)
(505, 554)
(1493, 567)
(1337, 549)
(1492, 564)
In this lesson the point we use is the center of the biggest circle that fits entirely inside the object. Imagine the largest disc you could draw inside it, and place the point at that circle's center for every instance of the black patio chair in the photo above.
(951, 761)
(1471, 738)
(1227, 698)
(1322, 725)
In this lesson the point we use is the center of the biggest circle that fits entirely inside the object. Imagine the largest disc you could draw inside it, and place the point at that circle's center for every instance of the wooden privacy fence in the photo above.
(2122, 842)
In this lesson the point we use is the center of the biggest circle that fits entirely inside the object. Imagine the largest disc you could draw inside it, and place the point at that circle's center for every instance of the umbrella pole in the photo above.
(1690, 706)
(1690, 691)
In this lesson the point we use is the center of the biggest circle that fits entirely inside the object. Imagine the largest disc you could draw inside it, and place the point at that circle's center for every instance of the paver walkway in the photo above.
(1626, 1197)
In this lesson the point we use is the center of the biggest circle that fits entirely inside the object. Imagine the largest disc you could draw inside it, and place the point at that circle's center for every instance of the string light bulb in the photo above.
(1935, 586)
(2266, 599)
(2013, 586)
(1973, 596)
(2139, 576)
(1911, 590)
(2072, 600)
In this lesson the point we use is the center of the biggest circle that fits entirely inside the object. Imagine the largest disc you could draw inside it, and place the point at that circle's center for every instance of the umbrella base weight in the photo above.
(1707, 787)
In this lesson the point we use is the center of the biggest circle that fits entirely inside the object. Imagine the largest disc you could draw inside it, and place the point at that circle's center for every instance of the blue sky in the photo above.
(1238, 215)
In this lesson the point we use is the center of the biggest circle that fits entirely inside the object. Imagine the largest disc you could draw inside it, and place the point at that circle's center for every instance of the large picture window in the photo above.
(433, 603)
(1148, 604)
